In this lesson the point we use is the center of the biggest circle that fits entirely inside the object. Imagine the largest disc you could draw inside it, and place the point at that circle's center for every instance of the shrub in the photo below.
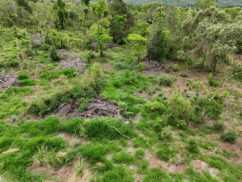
(27, 82)
(229, 136)
(104, 128)
(123, 158)
(218, 127)
(73, 126)
(48, 126)
(213, 82)
(53, 55)
(156, 106)
(166, 152)
(118, 174)
(192, 146)
(180, 111)
(139, 154)
(166, 81)
(54, 144)
(23, 76)
(156, 175)
(166, 134)
(94, 152)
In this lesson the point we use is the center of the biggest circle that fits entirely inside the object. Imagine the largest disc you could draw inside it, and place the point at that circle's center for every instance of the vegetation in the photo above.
(105, 91)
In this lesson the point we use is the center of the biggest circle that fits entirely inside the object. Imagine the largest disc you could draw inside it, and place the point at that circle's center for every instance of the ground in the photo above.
(113, 135)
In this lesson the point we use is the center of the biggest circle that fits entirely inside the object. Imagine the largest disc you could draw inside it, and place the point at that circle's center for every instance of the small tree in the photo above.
(138, 43)
(122, 20)
(158, 45)
(99, 33)
(61, 14)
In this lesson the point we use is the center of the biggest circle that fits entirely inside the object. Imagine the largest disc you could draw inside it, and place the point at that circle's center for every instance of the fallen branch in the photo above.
(120, 132)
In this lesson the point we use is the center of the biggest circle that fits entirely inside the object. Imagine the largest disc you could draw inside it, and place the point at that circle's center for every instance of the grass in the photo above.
(157, 115)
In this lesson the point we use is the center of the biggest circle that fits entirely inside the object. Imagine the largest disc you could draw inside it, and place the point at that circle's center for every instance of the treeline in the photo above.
(204, 37)
(187, 3)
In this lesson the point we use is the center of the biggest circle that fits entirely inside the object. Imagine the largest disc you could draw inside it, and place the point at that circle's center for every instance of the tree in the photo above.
(100, 9)
(138, 44)
(25, 5)
(122, 21)
(100, 33)
(61, 14)
(158, 45)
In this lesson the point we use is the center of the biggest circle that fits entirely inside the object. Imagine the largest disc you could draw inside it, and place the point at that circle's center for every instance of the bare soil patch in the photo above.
(69, 60)
(64, 174)
(153, 66)
(8, 80)
(154, 162)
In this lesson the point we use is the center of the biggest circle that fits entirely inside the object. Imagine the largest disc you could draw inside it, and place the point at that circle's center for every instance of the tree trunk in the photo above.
(215, 65)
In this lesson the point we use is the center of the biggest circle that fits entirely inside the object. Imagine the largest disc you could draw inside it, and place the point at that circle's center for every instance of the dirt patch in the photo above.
(7, 80)
(69, 60)
(203, 166)
(64, 174)
(233, 148)
(97, 108)
(153, 66)
(154, 162)
(71, 140)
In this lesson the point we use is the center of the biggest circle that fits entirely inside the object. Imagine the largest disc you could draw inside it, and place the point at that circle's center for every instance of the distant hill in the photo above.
(223, 3)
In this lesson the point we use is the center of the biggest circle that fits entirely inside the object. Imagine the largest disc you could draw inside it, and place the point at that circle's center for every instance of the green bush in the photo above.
(166, 152)
(94, 152)
(156, 175)
(218, 127)
(23, 76)
(166, 134)
(123, 158)
(73, 126)
(27, 82)
(49, 126)
(166, 81)
(213, 82)
(192, 146)
(53, 55)
(156, 106)
(118, 174)
(180, 111)
(229, 136)
(104, 128)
